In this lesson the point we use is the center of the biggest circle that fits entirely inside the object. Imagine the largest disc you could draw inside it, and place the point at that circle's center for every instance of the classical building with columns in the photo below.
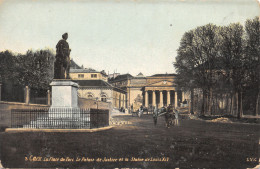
(160, 91)
(156, 90)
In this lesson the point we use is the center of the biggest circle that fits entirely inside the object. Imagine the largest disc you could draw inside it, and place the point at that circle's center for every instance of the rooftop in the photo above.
(87, 71)
(122, 77)
(163, 75)
(140, 75)
(83, 71)
(93, 83)
(96, 84)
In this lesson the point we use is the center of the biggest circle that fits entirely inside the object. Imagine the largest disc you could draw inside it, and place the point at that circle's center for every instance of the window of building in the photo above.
(93, 75)
(103, 98)
(80, 75)
(89, 95)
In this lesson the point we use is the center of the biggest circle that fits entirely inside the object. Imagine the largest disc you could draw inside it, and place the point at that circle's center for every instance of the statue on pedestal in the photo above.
(62, 63)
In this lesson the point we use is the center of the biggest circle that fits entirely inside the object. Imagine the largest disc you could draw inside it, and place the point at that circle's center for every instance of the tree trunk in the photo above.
(232, 104)
(227, 103)
(241, 105)
(203, 103)
(215, 105)
(192, 101)
(206, 103)
(210, 100)
(257, 104)
(237, 101)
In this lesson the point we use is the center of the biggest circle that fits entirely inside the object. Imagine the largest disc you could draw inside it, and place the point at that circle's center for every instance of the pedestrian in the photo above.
(140, 111)
(168, 116)
(176, 117)
(155, 115)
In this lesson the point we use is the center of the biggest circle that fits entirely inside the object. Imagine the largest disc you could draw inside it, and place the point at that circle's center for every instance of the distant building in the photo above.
(156, 90)
(88, 74)
(114, 75)
(93, 85)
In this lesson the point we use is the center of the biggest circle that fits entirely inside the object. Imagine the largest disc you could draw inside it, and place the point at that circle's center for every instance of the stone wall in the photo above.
(95, 92)
(5, 110)
(88, 103)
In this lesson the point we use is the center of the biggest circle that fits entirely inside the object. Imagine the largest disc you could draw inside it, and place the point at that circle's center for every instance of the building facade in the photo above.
(156, 90)
(93, 85)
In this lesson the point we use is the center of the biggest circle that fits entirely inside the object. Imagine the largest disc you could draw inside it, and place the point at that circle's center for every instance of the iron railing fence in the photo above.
(59, 118)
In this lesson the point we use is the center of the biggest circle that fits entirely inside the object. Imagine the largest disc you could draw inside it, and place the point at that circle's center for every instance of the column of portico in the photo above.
(146, 99)
(115, 105)
(161, 98)
(154, 97)
(175, 99)
(123, 105)
(119, 101)
(168, 97)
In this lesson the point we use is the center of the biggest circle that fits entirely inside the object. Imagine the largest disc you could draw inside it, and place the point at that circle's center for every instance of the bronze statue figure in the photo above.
(62, 63)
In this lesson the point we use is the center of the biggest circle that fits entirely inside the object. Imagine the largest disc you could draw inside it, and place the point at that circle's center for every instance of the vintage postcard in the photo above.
(130, 84)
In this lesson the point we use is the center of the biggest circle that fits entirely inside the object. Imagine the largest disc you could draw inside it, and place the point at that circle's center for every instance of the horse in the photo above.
(167, 113)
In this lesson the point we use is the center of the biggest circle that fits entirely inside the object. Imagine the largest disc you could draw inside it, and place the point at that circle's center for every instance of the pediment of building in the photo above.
(161, 83)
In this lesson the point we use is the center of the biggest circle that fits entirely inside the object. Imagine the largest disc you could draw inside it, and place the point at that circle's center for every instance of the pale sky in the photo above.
(127, 36)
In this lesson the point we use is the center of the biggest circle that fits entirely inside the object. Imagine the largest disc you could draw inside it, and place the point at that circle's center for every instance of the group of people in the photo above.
(170, 113)
(139, 112)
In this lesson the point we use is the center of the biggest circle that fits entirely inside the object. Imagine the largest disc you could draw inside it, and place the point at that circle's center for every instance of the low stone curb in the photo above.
(17, 130)
(194, 117)
(120, 122)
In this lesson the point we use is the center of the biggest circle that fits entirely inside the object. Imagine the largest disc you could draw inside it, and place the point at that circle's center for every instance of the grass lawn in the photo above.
(193, 144)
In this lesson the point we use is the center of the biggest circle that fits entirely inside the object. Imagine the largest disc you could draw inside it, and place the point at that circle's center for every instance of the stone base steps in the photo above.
(56, 123)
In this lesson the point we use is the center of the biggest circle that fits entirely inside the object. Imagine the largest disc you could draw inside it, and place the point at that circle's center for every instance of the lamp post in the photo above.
(97, 101)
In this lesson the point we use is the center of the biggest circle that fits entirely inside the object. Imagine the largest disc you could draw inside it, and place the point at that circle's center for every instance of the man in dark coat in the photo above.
(62, 63)
(169, 116)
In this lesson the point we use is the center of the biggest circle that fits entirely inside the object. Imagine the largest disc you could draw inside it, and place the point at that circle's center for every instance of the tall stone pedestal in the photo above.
(64, 97)
(64, 94)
